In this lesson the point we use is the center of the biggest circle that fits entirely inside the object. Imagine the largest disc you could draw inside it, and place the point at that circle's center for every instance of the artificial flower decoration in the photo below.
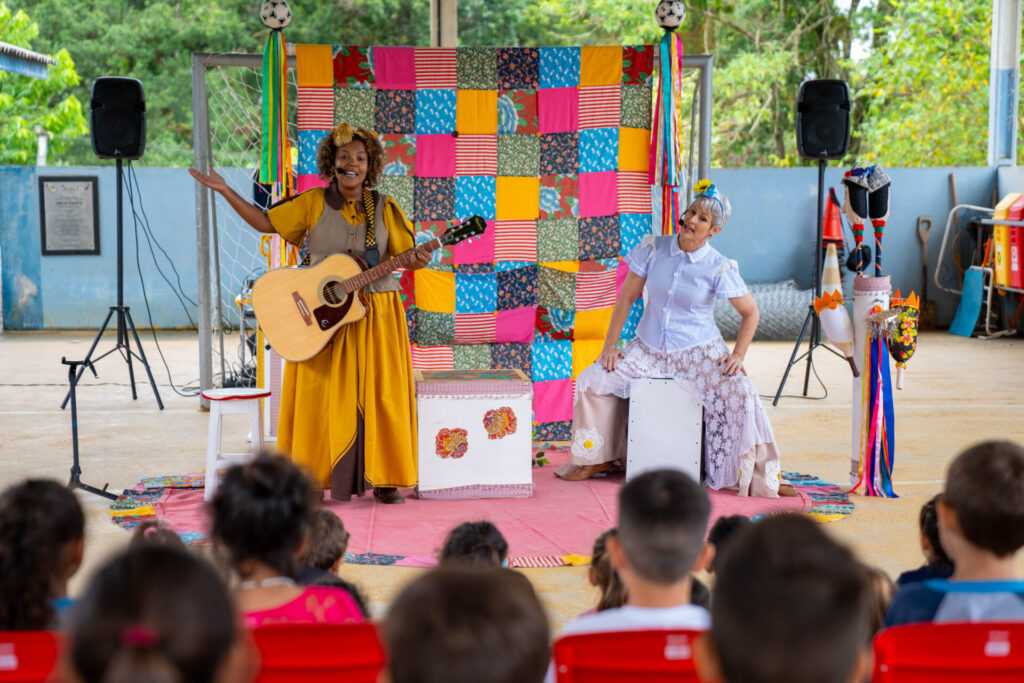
(586, 443)
(500, 423)
(704, 186)
(342, 134)
(451, 443)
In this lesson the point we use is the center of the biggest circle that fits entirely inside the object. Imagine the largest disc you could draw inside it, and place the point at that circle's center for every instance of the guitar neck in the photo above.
(387, 267)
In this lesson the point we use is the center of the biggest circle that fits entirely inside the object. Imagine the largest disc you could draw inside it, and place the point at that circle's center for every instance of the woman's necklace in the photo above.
(266, 583)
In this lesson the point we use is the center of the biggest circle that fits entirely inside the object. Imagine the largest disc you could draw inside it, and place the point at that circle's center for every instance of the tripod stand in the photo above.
(76, 470)
(814, 340)
(124, 321)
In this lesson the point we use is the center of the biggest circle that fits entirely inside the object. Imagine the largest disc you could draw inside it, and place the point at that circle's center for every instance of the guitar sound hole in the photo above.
(333, 292)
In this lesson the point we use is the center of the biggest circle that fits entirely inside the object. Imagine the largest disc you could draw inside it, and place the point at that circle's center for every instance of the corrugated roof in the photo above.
(22, 53)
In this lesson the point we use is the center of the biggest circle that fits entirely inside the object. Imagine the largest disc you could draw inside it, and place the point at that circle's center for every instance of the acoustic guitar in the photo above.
(301, 308)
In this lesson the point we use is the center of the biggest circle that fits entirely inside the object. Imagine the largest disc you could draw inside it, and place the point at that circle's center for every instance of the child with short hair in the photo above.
(722, 531)
(937, 563)
(475, 544)
(981, 527)
(42, 540)
(323, 553)
(791, 606)
(458, 623)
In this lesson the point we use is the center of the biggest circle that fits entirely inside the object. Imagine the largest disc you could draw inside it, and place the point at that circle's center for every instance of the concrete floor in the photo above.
(957, 392)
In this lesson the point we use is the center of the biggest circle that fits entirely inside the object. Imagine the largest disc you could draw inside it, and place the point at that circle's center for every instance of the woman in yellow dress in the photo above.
(348, 413)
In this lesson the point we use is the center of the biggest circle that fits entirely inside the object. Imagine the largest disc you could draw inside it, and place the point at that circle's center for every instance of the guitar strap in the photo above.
(369, 208)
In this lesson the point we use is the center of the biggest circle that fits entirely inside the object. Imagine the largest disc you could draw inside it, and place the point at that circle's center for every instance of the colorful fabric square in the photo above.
(555, 288)
(518, 155)
(435, 199)
(595, 289)
(586, 351)
(637, 64)
(435, 156)
(394, 68)
(592, 325)
(476, 293)
(552, 400)
(511, 356)
(441, 258)
(308, 181)
(473, 357)
(601, 65)
(634, 149)
(435, 110)
(432, 328)
(477, 68)
(433, 357)
(478, 250)
(517, 198)
(399, 154)
(358, 106)
(515, 241)
(600, 106)
(599, 150)
(558, 196)
(309, 141)
(435, 291)
(407, 289)
(553, 431)
(474, 328)
(476, 112)
(435, 67)
(411, 315)
(636, 107)
(636, 311)
(352, 68)
(558, 110)
(634, 190)
(315, 107)
(515, 325)
(402, 190)
(598, 195)
(557, 240)
(476, 155)
(599, 237)
(559, 153)
(518, 67)
(554, 323)
(396, 111)
(314, 65)
(517, 112)
(552, 360)
(473, 268)
(633, 228)
(559, 67)
(475, 196)
(517, 288)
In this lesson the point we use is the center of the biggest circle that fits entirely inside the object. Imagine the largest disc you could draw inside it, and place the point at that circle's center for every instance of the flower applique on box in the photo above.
(451, 443)
(500, 423)
(586, 443)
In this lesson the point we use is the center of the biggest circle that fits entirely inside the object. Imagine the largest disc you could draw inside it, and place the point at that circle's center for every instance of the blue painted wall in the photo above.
(771, 234)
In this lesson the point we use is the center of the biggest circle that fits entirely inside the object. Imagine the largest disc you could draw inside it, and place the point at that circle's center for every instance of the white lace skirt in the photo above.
(740, 449)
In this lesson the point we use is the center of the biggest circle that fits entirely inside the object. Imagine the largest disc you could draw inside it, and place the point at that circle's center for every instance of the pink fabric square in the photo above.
(307, 181)
(552, 401)
(435, 156)
(516, 325)
(558, 110)
(394, 68)
(620, 275)
(479, 249)
(598, 194)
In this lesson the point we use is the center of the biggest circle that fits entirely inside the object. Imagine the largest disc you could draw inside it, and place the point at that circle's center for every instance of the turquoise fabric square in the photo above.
(599, 149)
(309, 140)
(633, 228)
(636, 311)
(474, 196)
(476, 293)
(559, 67)
(435, 110)
(552, 360)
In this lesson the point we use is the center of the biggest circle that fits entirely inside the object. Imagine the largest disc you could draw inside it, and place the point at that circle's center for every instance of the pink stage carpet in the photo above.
(559, 522)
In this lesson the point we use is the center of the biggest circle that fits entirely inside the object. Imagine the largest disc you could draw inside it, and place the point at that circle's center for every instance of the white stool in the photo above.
(241, 401)
(665, 428)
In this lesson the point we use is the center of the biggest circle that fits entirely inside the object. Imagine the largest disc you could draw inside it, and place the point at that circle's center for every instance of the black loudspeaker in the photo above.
(823, 119)
(117, 118)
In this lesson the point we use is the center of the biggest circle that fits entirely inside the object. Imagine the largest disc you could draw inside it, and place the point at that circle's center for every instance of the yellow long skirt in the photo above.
(366, 370)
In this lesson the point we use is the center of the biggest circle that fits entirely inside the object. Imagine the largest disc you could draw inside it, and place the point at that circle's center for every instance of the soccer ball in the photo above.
(276, 13)
(670, 14)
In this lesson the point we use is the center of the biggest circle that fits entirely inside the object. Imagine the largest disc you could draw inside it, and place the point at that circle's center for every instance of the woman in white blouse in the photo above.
(677, 337)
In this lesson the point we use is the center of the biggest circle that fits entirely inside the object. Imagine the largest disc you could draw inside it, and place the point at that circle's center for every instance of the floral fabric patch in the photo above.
(511, 356)
(599, 238)
(518, 67)
(500, 422)
(473, 357)
(636, 107)
(557, 239)
(558, 196)
(396, 111)
(559, 153)
(477, 68)
(434, 329)
(517, 112)
(358, 106)
(552, 431)
(556, 289)
(517, 288)
(554, 323)
(518, 155)
(637, 64)
(451, 443)
(401, 190)
(352, 68)
(435, 198)
(399, 154)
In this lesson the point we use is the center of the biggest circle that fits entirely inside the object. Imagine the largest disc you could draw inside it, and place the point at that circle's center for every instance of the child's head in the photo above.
(261, 511)
(983, 503)
(475, 544)
(881, 590)
(156, 533)
(722, 531)
(326, 541)
(603, 575)
(790, 605)
(931, 546)
(465, 624)
(153, 613)
(662, 518)
(41, 543)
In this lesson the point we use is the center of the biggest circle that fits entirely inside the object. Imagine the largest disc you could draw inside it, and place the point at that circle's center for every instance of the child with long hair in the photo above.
(603, 576)
(475, 544)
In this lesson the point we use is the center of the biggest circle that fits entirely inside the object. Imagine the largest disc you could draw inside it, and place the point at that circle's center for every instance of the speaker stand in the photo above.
(814, 340)
(124, 322)
(75, 482)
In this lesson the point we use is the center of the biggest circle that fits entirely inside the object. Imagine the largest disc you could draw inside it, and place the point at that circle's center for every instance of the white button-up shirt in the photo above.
(681, 290)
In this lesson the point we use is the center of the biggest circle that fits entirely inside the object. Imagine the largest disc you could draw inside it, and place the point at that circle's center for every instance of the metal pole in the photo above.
(201, 159)
(707, 87)
(1003, 83)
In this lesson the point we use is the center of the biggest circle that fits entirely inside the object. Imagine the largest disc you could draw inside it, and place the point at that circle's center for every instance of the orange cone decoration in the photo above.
(831, 310)
(832, 228)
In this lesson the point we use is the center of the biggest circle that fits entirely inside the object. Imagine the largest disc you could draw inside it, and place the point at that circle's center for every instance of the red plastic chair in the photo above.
(626, 657)
(937, 653)
(300, 653)
(28, 656)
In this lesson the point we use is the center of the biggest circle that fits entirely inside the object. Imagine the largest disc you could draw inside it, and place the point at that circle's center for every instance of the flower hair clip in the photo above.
(342, 134)
(706, 188)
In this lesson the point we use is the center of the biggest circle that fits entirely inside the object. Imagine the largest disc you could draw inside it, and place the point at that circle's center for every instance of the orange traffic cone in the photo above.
(832, 228)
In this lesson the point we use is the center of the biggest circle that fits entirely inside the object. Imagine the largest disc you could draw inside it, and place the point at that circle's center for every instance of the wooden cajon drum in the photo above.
(474, 433)
(665, 428)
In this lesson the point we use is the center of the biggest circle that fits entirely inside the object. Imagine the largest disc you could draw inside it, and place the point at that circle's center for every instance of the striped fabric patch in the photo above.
(536, 561)
(435, 67)
(634, 192)
(515, 241)
(433, 357)
(316, 108)
(476, 155)
(595, 290)
(600, 106)
(475, 328)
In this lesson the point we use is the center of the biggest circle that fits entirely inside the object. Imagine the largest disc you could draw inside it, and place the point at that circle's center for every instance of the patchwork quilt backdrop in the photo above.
(550, 145)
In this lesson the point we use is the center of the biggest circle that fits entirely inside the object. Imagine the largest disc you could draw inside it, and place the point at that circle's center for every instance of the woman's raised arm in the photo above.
(249, 213)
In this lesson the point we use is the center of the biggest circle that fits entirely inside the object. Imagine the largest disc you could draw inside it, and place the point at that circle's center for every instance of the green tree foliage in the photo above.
(29, 102)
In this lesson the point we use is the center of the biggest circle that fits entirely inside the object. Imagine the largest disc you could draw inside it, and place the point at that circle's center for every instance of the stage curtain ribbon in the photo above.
(275, 150)
(666, 146)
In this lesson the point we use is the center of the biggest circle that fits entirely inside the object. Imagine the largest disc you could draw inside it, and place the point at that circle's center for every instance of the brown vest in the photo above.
(333, 234)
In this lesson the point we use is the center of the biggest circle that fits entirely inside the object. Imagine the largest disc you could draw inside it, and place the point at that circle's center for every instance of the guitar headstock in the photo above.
(464, 230)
